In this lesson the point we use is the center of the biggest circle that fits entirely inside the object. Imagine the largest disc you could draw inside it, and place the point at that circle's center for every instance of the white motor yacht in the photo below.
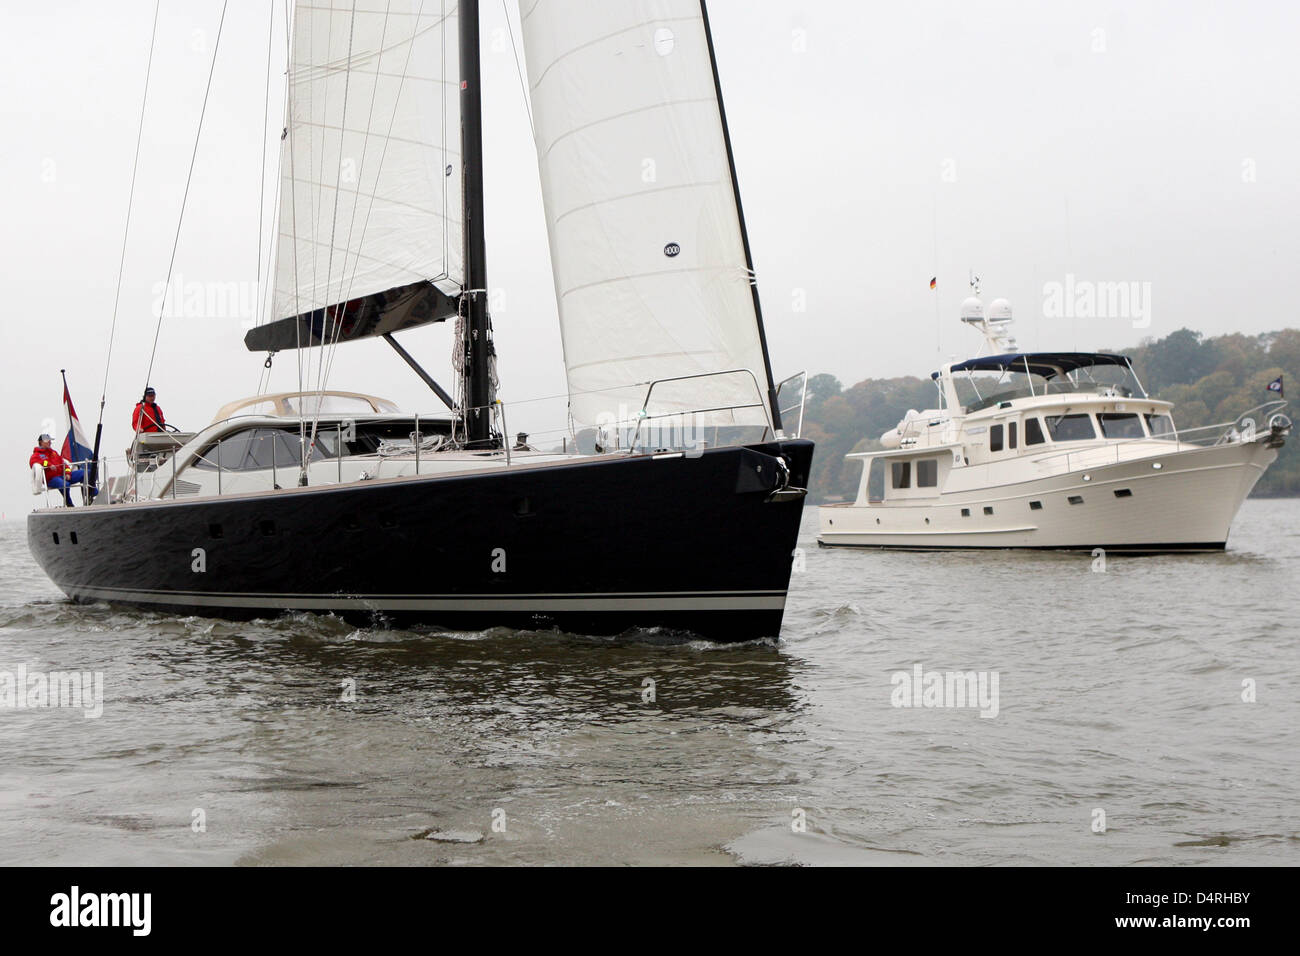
(1053, 450)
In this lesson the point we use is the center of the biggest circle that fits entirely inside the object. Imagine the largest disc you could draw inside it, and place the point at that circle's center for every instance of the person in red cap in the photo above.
(59, 473)
(148, 414)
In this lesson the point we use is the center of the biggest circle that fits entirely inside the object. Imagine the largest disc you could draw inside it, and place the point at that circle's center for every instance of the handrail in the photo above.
(1179, 436)
(803, 397)
(644, 416)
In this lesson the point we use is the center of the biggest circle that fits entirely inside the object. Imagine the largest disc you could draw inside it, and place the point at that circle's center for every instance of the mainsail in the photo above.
(647, 247)
(370, 197)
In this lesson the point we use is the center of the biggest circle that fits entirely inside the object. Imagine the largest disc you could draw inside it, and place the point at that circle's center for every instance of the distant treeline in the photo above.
(1208, 380)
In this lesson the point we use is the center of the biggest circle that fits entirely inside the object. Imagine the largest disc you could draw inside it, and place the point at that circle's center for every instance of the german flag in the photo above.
(934, 282)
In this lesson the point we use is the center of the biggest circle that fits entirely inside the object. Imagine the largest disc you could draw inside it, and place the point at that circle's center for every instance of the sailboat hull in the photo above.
(595, 545)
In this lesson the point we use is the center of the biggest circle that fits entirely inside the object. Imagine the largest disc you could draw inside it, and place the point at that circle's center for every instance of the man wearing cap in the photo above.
(148, 414)
(59, 473)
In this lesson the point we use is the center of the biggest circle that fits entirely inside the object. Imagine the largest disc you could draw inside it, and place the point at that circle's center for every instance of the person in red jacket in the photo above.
(59, 473)
(148, 414)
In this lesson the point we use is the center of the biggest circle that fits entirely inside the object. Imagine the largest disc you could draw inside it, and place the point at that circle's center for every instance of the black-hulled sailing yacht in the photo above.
(685, 517)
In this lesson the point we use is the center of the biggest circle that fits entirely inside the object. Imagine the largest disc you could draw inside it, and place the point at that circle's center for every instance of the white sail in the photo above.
(646, 243)
(370, 169)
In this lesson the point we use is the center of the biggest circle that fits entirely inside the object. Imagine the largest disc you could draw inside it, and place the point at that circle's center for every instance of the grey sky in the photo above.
(876, 144)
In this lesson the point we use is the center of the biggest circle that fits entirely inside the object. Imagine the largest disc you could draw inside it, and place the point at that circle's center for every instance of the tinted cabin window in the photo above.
(1115, 425)
(927, 473)
(902, 474)
(1070, 427)
(1161, 426)
(263, 448)
(1011, 434)
(995, 438)
(1033, 432)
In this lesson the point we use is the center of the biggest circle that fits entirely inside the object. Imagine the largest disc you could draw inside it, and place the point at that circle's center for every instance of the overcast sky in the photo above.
(877, 145)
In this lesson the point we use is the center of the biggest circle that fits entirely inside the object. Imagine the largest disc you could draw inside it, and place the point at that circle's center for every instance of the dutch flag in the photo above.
(75, 447)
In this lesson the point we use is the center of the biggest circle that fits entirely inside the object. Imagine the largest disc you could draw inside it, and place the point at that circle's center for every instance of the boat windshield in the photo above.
(978, 389)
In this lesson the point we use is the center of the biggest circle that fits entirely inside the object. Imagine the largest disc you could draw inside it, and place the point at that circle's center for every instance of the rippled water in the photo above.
(1119, 691)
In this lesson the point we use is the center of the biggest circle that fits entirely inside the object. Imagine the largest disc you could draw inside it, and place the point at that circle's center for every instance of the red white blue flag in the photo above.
(75, 447)
(1276, 386)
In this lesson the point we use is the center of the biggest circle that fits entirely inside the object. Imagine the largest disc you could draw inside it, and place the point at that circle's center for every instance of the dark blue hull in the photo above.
(594, 546)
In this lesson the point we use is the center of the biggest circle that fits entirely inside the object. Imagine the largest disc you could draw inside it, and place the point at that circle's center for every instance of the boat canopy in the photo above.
(1045, 364)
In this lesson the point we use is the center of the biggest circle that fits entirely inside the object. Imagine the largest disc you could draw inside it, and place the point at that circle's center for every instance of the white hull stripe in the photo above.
(698, 601)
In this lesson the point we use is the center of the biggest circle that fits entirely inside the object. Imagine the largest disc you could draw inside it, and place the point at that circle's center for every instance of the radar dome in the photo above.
(999, 310)
(972, 310)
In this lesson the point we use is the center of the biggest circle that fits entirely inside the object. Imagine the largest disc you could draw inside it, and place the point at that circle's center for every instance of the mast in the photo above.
(478, 326)
(744, 233)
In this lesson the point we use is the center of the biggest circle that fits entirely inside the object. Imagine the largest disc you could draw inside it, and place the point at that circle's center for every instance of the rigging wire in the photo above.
(198, 134)
(523, 83)
(290, 105)
(346, 295)
(329, 263)
(130, 202)
(261, 180)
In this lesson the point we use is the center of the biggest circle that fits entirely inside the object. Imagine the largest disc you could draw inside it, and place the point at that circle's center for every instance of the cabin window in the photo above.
(995, 438)
(965, 512)
(902, 474)
(1123, 493)
(1070, 427)
(927, 473)
(1115, 425)
(1075, 499)
(259, 449)
(1161, 426)
(1033, 432)
(1035, 506)
(988, 510)
(1011, 434)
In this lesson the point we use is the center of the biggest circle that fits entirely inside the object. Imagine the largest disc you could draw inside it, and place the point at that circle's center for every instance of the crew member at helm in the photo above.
(148, 414)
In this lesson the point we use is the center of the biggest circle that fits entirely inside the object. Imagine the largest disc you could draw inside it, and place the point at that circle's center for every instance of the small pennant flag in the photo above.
(1276, 386)
(934, 282)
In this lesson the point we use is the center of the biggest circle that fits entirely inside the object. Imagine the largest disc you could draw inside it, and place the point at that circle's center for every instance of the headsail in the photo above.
(647, 246)
(370, 195)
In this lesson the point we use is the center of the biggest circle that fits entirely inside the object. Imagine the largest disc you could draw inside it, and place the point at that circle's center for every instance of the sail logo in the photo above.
(672, 249)
(132, 910)
(21, 689)
(1084, 299)
(922, 688)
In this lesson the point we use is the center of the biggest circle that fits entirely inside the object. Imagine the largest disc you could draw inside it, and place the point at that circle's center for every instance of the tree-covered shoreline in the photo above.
(1209, 380)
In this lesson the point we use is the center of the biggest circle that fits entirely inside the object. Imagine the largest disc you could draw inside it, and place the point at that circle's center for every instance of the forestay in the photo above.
(646, 244)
